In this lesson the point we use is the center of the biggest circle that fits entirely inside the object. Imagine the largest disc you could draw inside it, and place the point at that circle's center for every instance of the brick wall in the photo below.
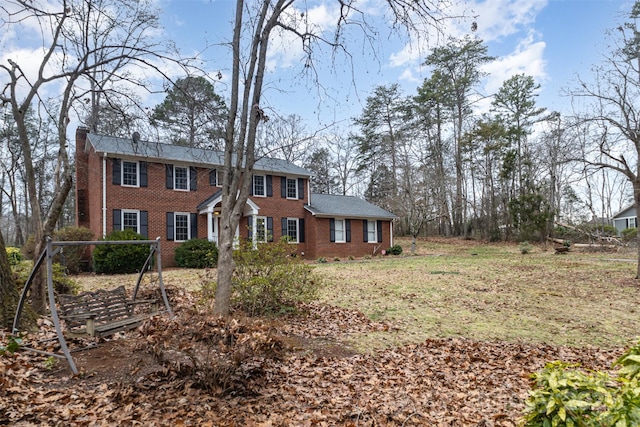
(356, 247)
(157, 200)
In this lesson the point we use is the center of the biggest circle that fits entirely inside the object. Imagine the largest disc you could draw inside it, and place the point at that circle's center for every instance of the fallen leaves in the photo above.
(147, 379)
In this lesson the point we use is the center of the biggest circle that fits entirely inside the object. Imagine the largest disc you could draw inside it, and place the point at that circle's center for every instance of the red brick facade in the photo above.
(95, 182)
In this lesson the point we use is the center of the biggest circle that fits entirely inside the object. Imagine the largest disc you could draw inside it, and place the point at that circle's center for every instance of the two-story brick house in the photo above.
(173, 192)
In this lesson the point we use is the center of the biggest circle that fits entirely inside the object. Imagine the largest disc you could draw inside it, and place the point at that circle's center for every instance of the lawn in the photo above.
(446, 337)
(455, 288)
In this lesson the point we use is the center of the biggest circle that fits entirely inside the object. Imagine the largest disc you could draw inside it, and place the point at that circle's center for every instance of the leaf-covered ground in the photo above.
(197, 370)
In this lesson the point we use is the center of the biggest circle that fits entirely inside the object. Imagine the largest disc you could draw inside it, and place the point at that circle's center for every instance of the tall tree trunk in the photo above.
(636, 197)
(10, 294)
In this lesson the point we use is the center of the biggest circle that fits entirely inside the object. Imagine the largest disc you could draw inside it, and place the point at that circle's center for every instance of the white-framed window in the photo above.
(259, 185)
(213, 178)
(261, 229)
(340, 234)
(181, 178)
(292, 229)
(632, 222)
(130, 220)
(130, 174)
(292, 188)
(372, 232)
(182, 227)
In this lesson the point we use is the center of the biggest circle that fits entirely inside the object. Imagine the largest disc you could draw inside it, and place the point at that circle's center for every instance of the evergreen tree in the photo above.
(192, 114)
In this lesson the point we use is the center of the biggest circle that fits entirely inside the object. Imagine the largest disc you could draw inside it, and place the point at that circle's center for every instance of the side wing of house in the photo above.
(343, 226)
(626, 218)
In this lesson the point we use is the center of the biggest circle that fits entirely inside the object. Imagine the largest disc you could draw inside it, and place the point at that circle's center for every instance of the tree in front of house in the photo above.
(86, 44)
(192, 114)
(254, 27)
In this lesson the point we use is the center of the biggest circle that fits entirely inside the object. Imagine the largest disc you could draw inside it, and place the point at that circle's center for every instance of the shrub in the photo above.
(120, 259)
(14, 255)
(630, 233)
(395, 250)
(322, 260)
(74, 258)
(62, 283)
(197, 253)
(525, 248)
(267, 280)
(565, 396)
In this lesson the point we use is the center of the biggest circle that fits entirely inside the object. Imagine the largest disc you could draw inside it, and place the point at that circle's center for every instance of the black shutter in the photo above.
(193, 177)
(253, 181)
(300, 188)
(270, 229)
(169, 176)
(170, 229)
(144, 223)
(144, 181)
(332, 230)
(301, 230)
(213, 177)
(116, 171)
(269, 185)
(117, 220)
(379, 231)
(284, 227)
(365, 230)
(283, 187)
(194, 225)
(347, 226)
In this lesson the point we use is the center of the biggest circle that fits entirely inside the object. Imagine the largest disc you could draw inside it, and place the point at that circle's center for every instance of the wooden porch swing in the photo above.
(98, 313)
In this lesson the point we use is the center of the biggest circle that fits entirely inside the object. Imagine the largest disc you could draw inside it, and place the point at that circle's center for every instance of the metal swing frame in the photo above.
(52, 249)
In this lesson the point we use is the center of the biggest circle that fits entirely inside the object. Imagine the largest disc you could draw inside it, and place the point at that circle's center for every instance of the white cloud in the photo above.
(527, 58)
(498, 19)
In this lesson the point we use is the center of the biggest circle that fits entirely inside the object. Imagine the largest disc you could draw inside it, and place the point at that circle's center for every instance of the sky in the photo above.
(551, 40)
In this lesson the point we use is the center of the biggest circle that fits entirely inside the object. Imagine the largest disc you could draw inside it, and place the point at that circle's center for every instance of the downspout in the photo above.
(104, 195)
(391, 232)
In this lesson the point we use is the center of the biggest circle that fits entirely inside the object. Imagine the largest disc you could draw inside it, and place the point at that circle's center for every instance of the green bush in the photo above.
(395, 250)
(630, 233)
(269, 281)
(14, 255)
(62, 284)
(74, 258)
(565, 396)
(197, 253)
(525, 248)
(120, 259)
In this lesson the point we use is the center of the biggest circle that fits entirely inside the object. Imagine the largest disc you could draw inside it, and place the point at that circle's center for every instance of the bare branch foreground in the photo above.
(200, 370)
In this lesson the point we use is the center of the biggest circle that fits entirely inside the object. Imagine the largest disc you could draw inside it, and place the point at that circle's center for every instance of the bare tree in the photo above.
(255, 25)
(614, 110)
(345, 162)
(86, 44)
(285, 138)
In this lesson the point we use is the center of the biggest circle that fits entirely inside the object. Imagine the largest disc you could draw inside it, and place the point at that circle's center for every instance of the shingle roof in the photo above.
(345, 206)
(115, 146)
(209, 199)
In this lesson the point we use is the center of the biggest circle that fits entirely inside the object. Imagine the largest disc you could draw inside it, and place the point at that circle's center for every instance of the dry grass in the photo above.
(475, 290)
(491, 292)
